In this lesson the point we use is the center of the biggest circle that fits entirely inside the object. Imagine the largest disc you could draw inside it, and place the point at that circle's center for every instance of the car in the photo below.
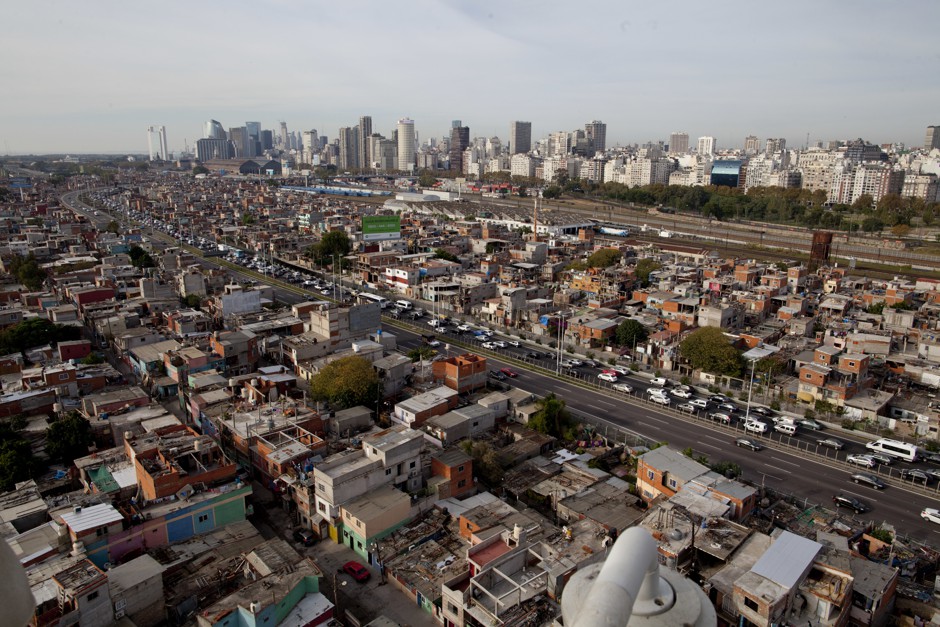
(728, 407)
(881, 459)
(662, 400)
(762, 411)
(932, 473)
(609, 371)
(464, 328)
(861, 460)
(436, 323)
(534, 355)
(357, 571)
(913, 474)
(305, 536)
(657, 392)
(933, 458)
(841, 500)
(754, 445)
(499, 343)
(660, 382)
(571, 363)
(681, 393)
(719, 416)
(590, 363)
(809, 423)
(831, 443)
(620, 370)
(868, 479)
(496, 374)
(623, 387)
(514, 343)
(699, 403)
(719, 398)
(509, 372)
(489, 346)
(688, 407)
(605, 376)
(932, 514)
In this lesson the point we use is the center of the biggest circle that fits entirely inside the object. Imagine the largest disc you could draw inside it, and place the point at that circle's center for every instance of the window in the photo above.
(476, 423)
(321, 507)
(411, 465)
(672, 483)
(650, 474)
(203, 517)
(359, 524)
(809, 375)
(388, 471)
(461, 483)
(750, 603)
(851, 364)
(459, 468)
(63, 376)
(93, 596)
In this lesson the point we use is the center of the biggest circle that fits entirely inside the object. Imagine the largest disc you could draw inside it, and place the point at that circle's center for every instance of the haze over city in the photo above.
(90, 78)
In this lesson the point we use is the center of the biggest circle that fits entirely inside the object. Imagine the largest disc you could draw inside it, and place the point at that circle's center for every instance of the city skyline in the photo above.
(92, 86)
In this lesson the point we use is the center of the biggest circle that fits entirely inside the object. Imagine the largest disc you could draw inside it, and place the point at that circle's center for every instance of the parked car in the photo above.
(687, 407)
(681, 393)
(831, 443)
(720, 416)
(489, 346)
(841, 500)
(305, 536)
(660, 382)
(496, 374)
(623, 387)
(861, 460)
(662, 400)
(881, 459)
(699, 403)
(620, 370)
(509, 372)
(534, 355)
(357, 571)
(605, 376)
(868, 479)
(719, 398)
(754, 445)
(932, 514)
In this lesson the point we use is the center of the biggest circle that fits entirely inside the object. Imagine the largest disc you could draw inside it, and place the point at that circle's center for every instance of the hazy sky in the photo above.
(91, 76)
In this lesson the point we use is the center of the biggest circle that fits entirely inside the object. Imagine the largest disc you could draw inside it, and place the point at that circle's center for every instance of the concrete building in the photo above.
(596, 133)
(406, 145)
(520, 137)
(679, 143)
(706, 146)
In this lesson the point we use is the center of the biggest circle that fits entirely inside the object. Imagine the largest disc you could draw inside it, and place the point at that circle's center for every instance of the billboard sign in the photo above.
(377, 228)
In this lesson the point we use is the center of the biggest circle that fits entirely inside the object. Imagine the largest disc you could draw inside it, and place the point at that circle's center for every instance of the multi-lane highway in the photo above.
(798, 465)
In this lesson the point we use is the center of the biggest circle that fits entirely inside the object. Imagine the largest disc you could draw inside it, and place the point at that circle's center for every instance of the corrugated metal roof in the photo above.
(787, 559)
(92, 517)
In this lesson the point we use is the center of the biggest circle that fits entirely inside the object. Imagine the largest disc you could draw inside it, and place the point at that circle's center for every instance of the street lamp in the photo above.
(336, 596)
(750, 387)
(378, 558)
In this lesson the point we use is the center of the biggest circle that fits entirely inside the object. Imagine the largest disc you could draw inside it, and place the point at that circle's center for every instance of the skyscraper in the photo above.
(253, 139)
(156, 143)
(459, 140)
(214, 130)
(751, 145)
(775, 145)
(932, 139)
(365, 132)
(679, 143)
(285, 140)
(348, 148)
(520, 137)
(406, 145)
(706, 145)
(596, 132)
(310, 145)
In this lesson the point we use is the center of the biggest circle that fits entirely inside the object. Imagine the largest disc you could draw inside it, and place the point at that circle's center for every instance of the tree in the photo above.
(643, 269)
(552, 191)
(876, 308)
(552, 417)
(864, 203)
(630, 333)
(421, 353)
(113, 227)
(27, 271)
(485, 463)
(68, 438)
(426, 179)
(92, 359)
(708, 349)
(200, 169)
(140, 258)
(440, 253)
(872, 225)
(193, 301)
(604, 258)
(346, 382)
(332, 243)
(16, 457)
(35, 332)
(247, 219)
(900, 230)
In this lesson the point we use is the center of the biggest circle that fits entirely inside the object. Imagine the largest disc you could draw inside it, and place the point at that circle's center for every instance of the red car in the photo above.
(509, 372)
(357, 571)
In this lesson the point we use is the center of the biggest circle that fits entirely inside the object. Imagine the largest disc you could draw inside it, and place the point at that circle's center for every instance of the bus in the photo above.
(894, 448)
(366, 297)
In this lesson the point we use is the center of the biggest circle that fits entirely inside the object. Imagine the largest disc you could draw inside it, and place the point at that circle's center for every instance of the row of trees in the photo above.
(35, 332)
(333, 243)
(67, 439)
(27, 271)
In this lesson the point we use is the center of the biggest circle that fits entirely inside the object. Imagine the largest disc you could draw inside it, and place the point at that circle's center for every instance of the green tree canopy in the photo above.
(16, 458)
(426, 179)
(419, 353)
(552, 191)
(440, 253)
(35, 332)
(630, 333)
(113, 227)
(27, 271)
(552, 417)
(485, 464)
(140, 258)
(200, 169)
(643, 269)
(346, 382)
(68, 438)
(332, 243)
(193, 300)
(709, 350)
(604, 258)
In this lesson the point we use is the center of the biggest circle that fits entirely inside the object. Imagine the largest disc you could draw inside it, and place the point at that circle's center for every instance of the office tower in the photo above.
(679, 143)
(559, 143)
(267, 140)
(156, 143)
(253, 140)
(520, 137)
(706, 146)
(214, 130)
(752, 145)
(365, 132)
(209, 149)
(932, 139)
(596, 132)
(775, 145)
(310, 145)
(349, 148)
(459, 140)
(406, 145)
(239, 137)
(285, 141)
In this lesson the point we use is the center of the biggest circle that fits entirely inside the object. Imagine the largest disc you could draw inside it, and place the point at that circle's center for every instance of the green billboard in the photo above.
(380, 228)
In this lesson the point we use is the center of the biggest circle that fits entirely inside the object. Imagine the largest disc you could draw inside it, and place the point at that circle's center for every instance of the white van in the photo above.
(755, 427)
(786, 428)
(404, 304)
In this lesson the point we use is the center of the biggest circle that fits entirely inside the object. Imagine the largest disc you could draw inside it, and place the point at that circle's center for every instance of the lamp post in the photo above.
(378, 558)
(336, 611)
(750, 387)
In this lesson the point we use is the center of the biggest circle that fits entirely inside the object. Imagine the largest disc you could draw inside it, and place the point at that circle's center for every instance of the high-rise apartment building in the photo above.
(285, 140)
(596, 132)
(459, 141)
(679, 143)
(406, 145)
(775, 145)
(208, 149)
(213, 130)
(310, 144)
(365, 132)
(520, 137)
(156, 143)
(751, 145)
(559, 144)
(932, 139)
(706, 145)
(348, 148)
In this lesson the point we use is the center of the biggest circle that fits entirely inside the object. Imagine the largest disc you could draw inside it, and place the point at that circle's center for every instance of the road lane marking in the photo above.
(784, 461)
